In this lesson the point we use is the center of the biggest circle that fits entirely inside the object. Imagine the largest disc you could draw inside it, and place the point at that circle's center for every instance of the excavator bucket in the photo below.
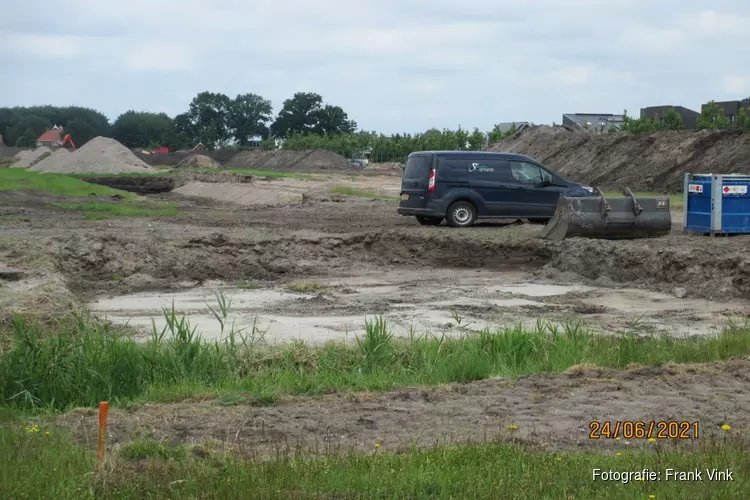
(609, 218)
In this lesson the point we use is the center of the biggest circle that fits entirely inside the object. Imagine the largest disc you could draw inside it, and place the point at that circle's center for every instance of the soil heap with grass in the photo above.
(100, 155)
(643, 162)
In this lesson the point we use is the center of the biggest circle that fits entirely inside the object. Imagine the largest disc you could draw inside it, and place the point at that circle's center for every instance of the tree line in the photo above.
(214, 119)
(305, 121)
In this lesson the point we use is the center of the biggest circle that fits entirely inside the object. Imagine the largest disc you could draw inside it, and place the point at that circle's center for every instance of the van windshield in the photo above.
(417, 167)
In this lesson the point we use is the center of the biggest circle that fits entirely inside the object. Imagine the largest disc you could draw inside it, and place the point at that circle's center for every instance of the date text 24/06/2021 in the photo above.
(644, 429)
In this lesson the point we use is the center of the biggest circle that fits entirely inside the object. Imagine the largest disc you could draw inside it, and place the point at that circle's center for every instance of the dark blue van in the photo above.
(463, 186)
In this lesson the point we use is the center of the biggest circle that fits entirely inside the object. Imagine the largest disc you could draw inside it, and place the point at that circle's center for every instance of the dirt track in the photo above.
(552, 412)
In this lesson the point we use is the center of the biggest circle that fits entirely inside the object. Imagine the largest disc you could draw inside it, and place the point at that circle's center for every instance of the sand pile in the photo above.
(61, 156)
(240, 194)
(22, 154)
(198, 161)
(100, 155)
(649, 162)
(32, 157)
(308, 161)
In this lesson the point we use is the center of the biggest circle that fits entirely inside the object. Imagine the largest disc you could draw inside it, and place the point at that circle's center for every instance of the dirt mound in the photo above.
(240, 194)
(33, 157)
(100, 155)
(22, 154)
(199, 161)
(308, 161)
(653, 162)
(59, 157)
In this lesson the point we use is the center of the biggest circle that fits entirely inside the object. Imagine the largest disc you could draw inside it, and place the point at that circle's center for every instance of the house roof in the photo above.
(50, 135)
(504, 127)
(594, 118)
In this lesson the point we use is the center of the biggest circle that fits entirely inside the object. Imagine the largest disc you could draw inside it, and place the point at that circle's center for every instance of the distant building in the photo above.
(199, 147)
(161, 150)
(689, 117)
(506, 126)
(51, 138)
(600, 122)
(731, 108)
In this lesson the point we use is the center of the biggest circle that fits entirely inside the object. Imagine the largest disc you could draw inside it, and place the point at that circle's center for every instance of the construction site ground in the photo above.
(315, 269)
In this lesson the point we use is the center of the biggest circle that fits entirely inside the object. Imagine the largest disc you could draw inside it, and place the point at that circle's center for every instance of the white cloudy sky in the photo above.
(393, 65)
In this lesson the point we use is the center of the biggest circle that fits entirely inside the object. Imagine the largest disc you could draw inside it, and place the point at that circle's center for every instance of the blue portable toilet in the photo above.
(716, 203)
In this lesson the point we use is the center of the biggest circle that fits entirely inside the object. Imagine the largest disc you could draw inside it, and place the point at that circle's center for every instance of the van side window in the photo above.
(452, 164)
(528, 173)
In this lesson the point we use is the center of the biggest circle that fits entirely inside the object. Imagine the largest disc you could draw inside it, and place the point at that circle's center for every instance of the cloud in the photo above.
(45, 46)
(392, 65)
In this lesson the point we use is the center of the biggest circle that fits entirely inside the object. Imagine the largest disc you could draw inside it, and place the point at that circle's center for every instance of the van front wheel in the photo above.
(461, 214)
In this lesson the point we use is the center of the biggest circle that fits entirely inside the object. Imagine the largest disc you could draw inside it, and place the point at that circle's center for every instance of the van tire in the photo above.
(429, 221)
(461, 214)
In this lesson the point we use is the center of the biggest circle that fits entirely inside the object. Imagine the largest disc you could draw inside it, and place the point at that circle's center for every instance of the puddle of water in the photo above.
(468, 301)
(426, 307)
(193, 300)
(539, 290)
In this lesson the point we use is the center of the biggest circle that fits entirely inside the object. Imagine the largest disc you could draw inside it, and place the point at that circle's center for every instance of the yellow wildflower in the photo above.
(726, 427)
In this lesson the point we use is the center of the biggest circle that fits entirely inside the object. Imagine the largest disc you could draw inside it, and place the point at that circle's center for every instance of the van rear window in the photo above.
(417, 167)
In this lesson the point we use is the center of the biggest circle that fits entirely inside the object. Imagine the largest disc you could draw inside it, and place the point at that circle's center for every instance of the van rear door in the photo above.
(415, 181)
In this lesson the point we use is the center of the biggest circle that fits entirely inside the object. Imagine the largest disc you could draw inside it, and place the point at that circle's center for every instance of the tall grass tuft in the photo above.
(83, 361)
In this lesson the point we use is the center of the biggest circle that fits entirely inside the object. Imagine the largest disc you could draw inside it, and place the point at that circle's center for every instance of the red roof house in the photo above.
(51, 138)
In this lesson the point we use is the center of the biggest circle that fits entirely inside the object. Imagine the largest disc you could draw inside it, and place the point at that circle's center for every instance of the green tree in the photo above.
(712, 117)
(26, 128)
(672, 120)
(333, 120)
(638, 125)
(304, 113)
(140, 129)
(208, 119)
(249, 115)
(743, 120)
(299, 114)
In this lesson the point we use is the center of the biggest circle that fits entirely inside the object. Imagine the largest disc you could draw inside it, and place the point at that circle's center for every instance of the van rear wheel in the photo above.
(461, 214)
(429, 221)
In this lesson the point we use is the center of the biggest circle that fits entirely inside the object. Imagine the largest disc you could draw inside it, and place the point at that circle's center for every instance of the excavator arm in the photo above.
(67, 139)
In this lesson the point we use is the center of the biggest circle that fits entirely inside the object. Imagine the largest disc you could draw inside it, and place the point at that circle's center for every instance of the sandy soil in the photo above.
(371, 261)
(552, 412)
(424, 303)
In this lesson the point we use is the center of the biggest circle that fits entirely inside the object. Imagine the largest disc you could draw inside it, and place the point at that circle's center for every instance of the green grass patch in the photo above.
(35, 465)
(264, 173)
(19, 179)
(164, 170)
(246, 285)
(304, 287)
(83, 362)
(359, 193)
(99, 210)
(143, 449)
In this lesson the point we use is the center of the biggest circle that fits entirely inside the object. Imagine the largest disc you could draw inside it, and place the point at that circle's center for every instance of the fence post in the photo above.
(103, 410)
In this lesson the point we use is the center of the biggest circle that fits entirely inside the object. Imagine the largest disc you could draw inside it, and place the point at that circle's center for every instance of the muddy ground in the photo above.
(369, 260)
(551, 412)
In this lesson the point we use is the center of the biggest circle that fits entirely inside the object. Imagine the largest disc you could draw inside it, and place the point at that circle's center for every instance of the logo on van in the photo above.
(481, 168)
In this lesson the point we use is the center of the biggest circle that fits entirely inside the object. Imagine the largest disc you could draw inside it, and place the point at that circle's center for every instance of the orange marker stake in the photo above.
(103, 409)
